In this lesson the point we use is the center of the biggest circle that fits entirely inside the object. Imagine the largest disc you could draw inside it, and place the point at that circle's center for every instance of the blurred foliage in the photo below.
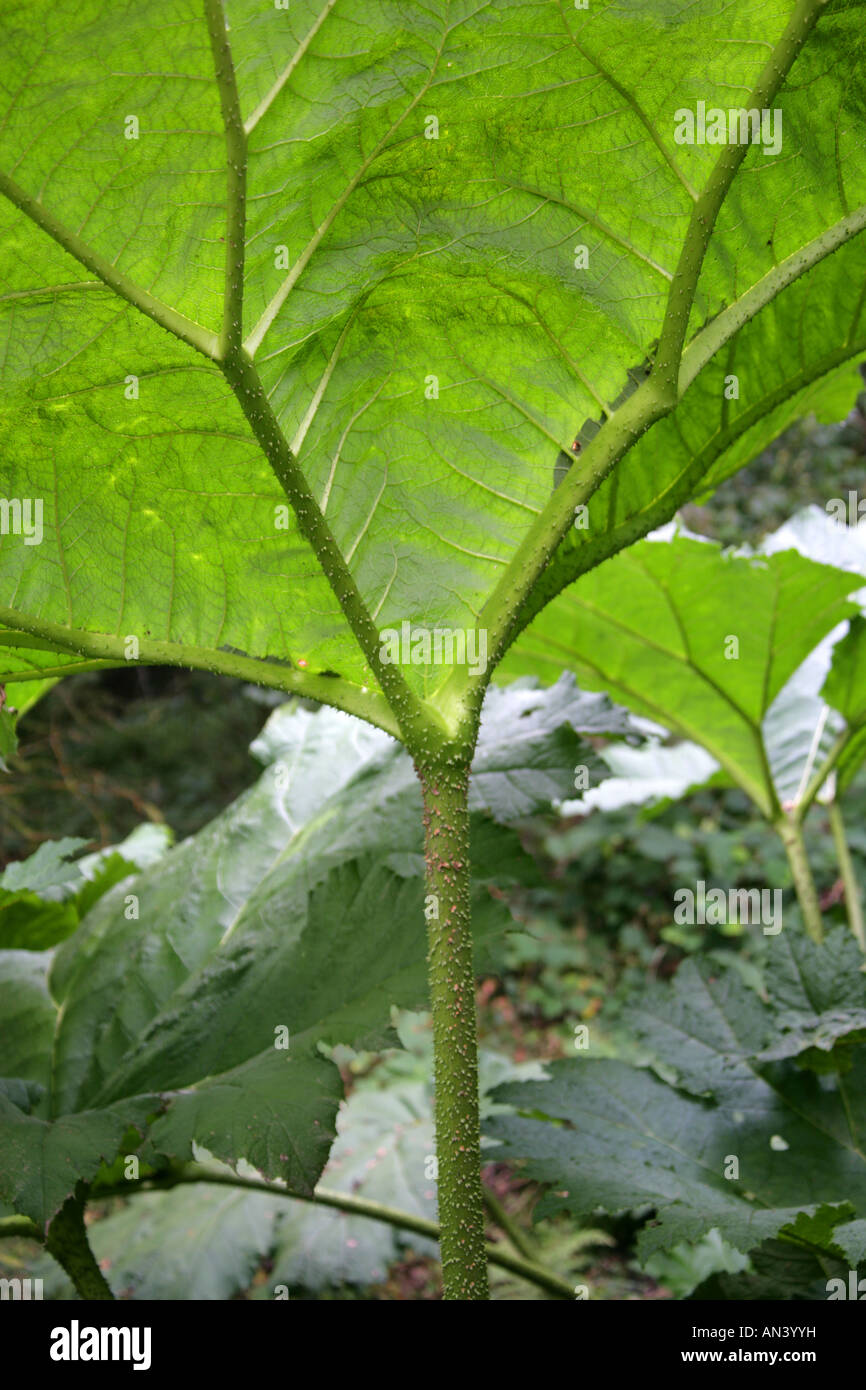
(808, 463)
(604, 919)
(104, 751)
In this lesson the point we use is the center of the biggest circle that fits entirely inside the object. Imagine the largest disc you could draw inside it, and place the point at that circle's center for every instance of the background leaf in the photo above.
(655, 627)
(603, 1133)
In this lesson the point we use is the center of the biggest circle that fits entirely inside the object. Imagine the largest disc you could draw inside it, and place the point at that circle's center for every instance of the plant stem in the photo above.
(791, 833)
(67, 1242)
(445, 786)
(528, 1269)
(853, 901)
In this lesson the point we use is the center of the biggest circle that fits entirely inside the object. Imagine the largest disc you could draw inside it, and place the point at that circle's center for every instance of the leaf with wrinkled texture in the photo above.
(44, 898)
(202, 1241)
(297, 907)
(627, 1137)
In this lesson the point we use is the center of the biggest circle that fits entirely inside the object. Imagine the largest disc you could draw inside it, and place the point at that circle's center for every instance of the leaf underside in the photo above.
(417, 319)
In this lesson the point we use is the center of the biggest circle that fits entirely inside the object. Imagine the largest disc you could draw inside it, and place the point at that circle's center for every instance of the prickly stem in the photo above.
(445, 786)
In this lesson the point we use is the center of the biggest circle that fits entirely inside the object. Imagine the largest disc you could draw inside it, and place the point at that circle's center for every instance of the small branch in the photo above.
(503, 1219)
(717, 334)
(186, 329)
(791, 834)
(236, 179)
(853, 900)
(108, 651)
(19, 1226)
(340, 1201)
(67, 1241)
(706, 210)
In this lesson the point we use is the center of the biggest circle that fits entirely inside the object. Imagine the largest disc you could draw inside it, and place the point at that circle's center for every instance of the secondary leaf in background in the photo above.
(47, 867)
(638, 775)
(627, 1137)
(41, 1161)
(202, 1241)
(656, 626)
(27, 693)
(804, 723)
(44, 898)
(28, 1015)
(708, 1029)
(297, 908)
(781, 1269)
(845, 690)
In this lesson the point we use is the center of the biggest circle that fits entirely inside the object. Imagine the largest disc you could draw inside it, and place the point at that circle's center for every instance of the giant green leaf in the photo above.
(419, 326)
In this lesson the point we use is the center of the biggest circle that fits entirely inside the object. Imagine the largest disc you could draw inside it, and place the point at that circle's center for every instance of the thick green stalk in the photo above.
(67, 1242)
(853, 901)
(445, 787)
(791, 835)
